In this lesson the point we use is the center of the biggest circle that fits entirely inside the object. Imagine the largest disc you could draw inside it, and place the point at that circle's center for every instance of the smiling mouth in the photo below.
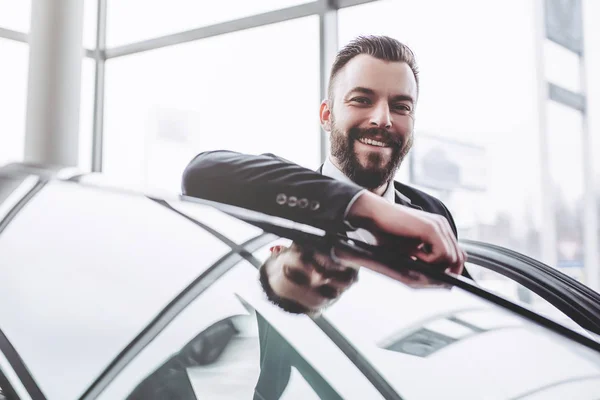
(371, 142)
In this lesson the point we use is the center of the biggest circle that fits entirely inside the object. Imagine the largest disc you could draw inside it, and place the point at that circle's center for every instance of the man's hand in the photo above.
(434, 243)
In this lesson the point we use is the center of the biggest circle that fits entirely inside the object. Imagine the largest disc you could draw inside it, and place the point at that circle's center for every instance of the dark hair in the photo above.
(283, 303)
(381, 47)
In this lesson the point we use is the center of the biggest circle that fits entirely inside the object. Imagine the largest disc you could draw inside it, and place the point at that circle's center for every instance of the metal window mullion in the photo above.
(591, 235)
(13, 35)
(328, 46)
(99, 85)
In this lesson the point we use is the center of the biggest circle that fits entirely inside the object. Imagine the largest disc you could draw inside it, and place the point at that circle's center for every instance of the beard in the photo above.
(377, 171)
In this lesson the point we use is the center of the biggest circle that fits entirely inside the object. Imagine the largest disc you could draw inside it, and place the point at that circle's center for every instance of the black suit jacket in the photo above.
(274, 186)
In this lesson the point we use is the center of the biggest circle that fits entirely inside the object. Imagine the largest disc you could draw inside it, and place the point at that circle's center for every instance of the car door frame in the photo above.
(575, 300)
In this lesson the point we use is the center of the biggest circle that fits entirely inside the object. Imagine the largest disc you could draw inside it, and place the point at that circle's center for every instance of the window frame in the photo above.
(16, 363)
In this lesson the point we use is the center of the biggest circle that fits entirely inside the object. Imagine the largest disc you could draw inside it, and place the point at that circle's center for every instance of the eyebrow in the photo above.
(371, 92)
(363, 90)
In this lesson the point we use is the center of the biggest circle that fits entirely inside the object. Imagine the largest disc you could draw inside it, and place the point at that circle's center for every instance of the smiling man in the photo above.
(370, 112)
(370, 115)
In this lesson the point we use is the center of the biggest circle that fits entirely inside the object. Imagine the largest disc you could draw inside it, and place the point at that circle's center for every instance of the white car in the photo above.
(109, 294)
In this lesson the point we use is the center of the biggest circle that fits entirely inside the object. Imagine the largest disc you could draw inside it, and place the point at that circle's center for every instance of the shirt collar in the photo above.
(330, 170)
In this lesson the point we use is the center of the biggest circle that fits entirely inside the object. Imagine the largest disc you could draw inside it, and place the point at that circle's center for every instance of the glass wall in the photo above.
(591, 16)
(14, 58)
(565, 152)
(253, 91)
(158, 18)
(90, 23)
(477, 109)
(568, 147)
(15, 15)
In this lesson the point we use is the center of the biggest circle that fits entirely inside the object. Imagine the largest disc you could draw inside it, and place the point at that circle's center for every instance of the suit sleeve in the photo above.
(270, 185)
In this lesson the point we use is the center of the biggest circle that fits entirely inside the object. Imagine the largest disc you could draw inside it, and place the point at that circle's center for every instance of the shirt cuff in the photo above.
(348, 224)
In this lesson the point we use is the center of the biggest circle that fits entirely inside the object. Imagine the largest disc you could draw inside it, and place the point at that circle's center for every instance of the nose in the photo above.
(317, 279)
(380, 116)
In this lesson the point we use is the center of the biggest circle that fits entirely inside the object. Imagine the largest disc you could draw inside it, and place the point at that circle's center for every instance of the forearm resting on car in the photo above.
(435, 241)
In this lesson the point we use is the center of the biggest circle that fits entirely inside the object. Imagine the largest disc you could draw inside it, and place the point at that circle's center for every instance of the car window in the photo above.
(519, 294)
(230, 343)
(86, 270)
(433, 341)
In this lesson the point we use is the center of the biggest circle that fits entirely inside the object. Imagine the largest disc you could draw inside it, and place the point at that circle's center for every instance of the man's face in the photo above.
(371, 118)
(307, 277)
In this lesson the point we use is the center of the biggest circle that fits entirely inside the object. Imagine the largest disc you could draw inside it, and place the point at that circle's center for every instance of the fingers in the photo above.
(441, 243)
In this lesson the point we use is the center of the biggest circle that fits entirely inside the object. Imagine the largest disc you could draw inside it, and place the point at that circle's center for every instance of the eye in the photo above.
(403, 108)
(361, 100)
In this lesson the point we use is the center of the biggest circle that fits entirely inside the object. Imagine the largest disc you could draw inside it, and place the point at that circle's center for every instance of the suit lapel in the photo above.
(401, 198)
(405, 201)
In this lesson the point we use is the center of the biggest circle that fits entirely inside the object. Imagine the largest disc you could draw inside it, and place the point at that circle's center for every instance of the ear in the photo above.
(276, 250)
(325, 115)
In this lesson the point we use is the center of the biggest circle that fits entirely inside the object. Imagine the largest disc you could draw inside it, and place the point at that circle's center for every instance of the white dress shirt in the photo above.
(330, 170)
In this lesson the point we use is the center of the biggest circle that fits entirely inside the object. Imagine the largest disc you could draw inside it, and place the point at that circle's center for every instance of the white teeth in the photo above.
(372, 142)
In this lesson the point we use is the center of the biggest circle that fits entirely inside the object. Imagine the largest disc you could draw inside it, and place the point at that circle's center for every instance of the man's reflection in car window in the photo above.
(301, 280)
